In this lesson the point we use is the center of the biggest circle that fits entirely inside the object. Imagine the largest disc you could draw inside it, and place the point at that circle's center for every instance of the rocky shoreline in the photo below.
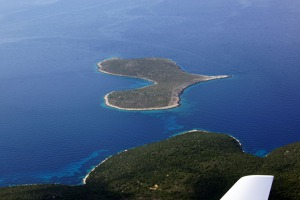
(174, 99)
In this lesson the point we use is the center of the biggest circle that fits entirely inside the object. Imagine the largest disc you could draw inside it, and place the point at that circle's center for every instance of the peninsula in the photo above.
(169, 81)
(195, 165)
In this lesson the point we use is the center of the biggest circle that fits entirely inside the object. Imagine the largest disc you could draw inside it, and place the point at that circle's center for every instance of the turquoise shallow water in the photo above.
(54, 126)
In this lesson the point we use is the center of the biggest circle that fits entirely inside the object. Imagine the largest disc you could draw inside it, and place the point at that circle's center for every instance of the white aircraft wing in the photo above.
(255, 187)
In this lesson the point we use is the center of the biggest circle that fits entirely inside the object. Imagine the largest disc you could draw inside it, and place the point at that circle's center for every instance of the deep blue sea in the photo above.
(54, 125)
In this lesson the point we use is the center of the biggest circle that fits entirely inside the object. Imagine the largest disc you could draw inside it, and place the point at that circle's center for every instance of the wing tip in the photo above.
(250, 187)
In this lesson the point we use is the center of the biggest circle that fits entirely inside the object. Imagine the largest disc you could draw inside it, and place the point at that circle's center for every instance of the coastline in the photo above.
(238, 141)
(88, 174)
(100, 69)
(204, 131)
(185, 132)
(138, 109)
(175, 98)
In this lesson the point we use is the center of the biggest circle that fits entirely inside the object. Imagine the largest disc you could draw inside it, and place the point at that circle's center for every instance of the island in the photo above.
(192, 165)
(168, 79)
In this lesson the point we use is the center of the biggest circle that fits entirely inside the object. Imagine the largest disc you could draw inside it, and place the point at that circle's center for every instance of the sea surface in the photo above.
(54, 125)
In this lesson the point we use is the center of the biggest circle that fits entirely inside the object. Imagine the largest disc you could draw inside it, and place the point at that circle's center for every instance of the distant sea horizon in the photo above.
(54, 124)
